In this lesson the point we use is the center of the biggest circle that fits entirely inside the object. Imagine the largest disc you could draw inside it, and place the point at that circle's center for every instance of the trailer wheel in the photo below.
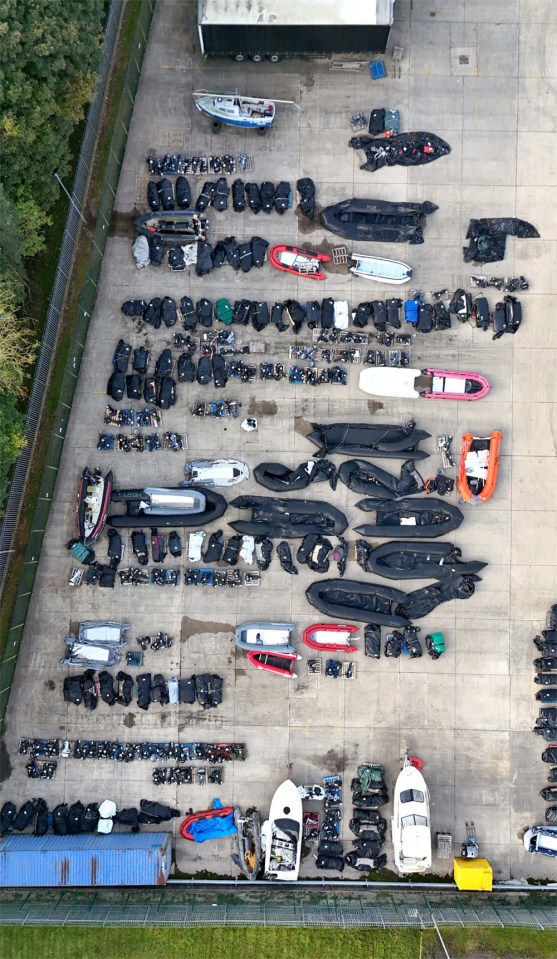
(239, 57)
(256, 57)
(216, 126)
(261, 131)
(274, 58)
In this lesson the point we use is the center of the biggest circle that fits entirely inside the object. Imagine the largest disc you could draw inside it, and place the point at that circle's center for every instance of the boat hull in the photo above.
(411, 842)
(330, 636)
(285, 819)
(451, 394)
(249, 842)
(91, 517)
(215, 506)
(380, 269)
(303, 263)
(443, 517)
(377, 220)
(486, 486)
(278, 663)
(262, 637)
(228, 110)
(445, 384)
(176, 225)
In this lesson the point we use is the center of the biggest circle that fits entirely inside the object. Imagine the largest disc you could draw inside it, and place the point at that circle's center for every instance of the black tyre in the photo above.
(261, 131)
(256, 57)
(274, 58)
(216, 126)
(239, 57)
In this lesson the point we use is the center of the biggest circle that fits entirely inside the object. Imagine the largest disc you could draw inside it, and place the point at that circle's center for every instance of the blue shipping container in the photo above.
(119, 859)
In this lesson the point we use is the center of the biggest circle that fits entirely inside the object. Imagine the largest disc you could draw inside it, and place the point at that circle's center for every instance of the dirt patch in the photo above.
(196, 627)
(333, 761)
(5, 764)
(129, 720)
(50, 684)
(121, 224)
(374, 406)
(305, 225)
(301, 426)
(163, 718)
(261, 407)
(74, 627)
(239, 671)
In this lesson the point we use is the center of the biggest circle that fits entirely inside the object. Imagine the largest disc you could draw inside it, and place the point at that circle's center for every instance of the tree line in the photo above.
(50, 51)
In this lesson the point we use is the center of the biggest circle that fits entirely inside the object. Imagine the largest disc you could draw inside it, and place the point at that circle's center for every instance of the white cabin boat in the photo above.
(281, 834)
(380, 269)
(411, 823)
(235, 110)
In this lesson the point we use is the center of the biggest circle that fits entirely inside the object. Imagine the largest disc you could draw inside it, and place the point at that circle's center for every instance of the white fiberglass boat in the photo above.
(380, 269)
(281, 834)
(253, 113)
(411, 824)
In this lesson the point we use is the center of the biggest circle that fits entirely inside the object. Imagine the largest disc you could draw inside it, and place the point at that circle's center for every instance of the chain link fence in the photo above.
(360, 908)
(80, 326)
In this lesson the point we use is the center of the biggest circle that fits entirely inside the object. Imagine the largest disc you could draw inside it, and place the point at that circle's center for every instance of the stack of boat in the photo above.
(268, 647)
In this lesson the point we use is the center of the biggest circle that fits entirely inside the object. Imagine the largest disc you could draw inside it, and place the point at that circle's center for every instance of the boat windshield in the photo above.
(412, 795)
(413, 821)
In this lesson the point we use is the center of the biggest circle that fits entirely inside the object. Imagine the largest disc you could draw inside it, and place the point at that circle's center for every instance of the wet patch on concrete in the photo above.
(374, 406)
(50, 684)
(301, 426)
(196, 627)
(333, 761)
(163, 717)
(121, 224)
(261, 407)
(129, 720)
(5, 764)
(305, 225)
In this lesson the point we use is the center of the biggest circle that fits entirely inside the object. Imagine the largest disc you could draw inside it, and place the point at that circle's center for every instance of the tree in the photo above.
(12, 441)
(18, 349)
(49, 55)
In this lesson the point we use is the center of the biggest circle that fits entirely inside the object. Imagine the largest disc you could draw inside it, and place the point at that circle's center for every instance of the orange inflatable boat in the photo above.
(478, 467)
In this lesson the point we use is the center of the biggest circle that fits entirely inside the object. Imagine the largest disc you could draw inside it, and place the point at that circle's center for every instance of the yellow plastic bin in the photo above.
(473, 874)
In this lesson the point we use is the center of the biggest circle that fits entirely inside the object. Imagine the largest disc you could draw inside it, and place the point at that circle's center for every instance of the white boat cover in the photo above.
(140, 250)
(328, 636)
(102, 632)
(476, 464)
(341, 315)
(448, 384)
(389, 382)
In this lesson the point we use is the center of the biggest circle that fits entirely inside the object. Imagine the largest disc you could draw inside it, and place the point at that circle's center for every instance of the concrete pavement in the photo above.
(469, 715)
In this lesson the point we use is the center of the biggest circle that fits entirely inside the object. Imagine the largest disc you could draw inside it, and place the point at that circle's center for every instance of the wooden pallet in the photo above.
(339, 255)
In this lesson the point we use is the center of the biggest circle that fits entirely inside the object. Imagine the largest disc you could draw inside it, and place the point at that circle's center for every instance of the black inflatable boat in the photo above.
(288, 518)
(415, 518)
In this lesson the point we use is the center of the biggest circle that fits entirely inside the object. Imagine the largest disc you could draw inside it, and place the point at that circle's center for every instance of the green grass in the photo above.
(46, 942)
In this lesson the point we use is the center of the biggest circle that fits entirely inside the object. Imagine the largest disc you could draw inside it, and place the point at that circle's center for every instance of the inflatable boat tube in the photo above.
(403, 560)
(385, 605)
(281, 479)
(365, 439)
(215, 506)
(369, 479)
(288, 518)
(366, 602)
(415, 518)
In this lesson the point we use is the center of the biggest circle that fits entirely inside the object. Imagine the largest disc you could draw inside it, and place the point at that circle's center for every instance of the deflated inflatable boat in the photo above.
(415, 518)
(367, 439)
(401, 560)
(288, 518)
(382, 604)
